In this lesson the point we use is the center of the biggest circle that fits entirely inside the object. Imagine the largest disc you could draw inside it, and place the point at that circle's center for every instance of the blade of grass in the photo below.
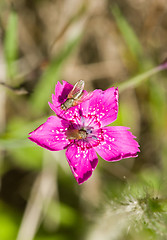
(127, 33)
(43, 90)
(11, 44)
(135, 81)
(17, 132)
(14, 143)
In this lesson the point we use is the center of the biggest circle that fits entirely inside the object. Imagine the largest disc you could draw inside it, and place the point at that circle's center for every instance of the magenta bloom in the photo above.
(82, 131)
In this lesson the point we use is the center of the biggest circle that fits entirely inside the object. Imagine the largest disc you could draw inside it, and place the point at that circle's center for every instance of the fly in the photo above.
(76, 96)
(76, 134)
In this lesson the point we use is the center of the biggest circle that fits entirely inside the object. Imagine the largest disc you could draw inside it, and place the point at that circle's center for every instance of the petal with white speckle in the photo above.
(82, 160)
(51, 134)
(118, 143)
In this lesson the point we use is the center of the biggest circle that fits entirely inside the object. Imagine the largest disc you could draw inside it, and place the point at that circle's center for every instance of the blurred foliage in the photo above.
(11, 44)
(106, 43)
(9, 221)
(129, 36)
(47, 82)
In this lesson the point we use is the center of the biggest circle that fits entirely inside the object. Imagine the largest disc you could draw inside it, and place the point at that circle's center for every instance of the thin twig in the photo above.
(16, 90)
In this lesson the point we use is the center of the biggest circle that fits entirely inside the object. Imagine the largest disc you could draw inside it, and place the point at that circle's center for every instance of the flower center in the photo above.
(85, 128)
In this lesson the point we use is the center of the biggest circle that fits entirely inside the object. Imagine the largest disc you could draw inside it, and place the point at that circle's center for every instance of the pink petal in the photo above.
(61, 93)
(118, 143)
(82, 160)
(51, 134)
(103, 105)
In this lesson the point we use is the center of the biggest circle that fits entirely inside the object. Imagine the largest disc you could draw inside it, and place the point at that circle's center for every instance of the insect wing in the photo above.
(84, 97)
(77, 90)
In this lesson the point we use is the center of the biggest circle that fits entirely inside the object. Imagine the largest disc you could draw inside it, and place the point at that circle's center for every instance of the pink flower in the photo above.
(82, 131)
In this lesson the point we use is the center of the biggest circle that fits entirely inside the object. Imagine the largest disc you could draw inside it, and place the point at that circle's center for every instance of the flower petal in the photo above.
(103, 105)
(118, 143)
(82, 160)
(51, 134)
(60, 96)
(61, 93)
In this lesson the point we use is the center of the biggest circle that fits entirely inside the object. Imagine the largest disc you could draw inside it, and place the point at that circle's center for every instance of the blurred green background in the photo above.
(106, 43)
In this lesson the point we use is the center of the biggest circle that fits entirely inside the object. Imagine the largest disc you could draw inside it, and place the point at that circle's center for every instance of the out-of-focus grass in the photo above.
(69, 217)
(43, 91)
(129, 35)
(11, 44)
(54, 237)
(66, 216)
(135, 81)
(9, 222)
